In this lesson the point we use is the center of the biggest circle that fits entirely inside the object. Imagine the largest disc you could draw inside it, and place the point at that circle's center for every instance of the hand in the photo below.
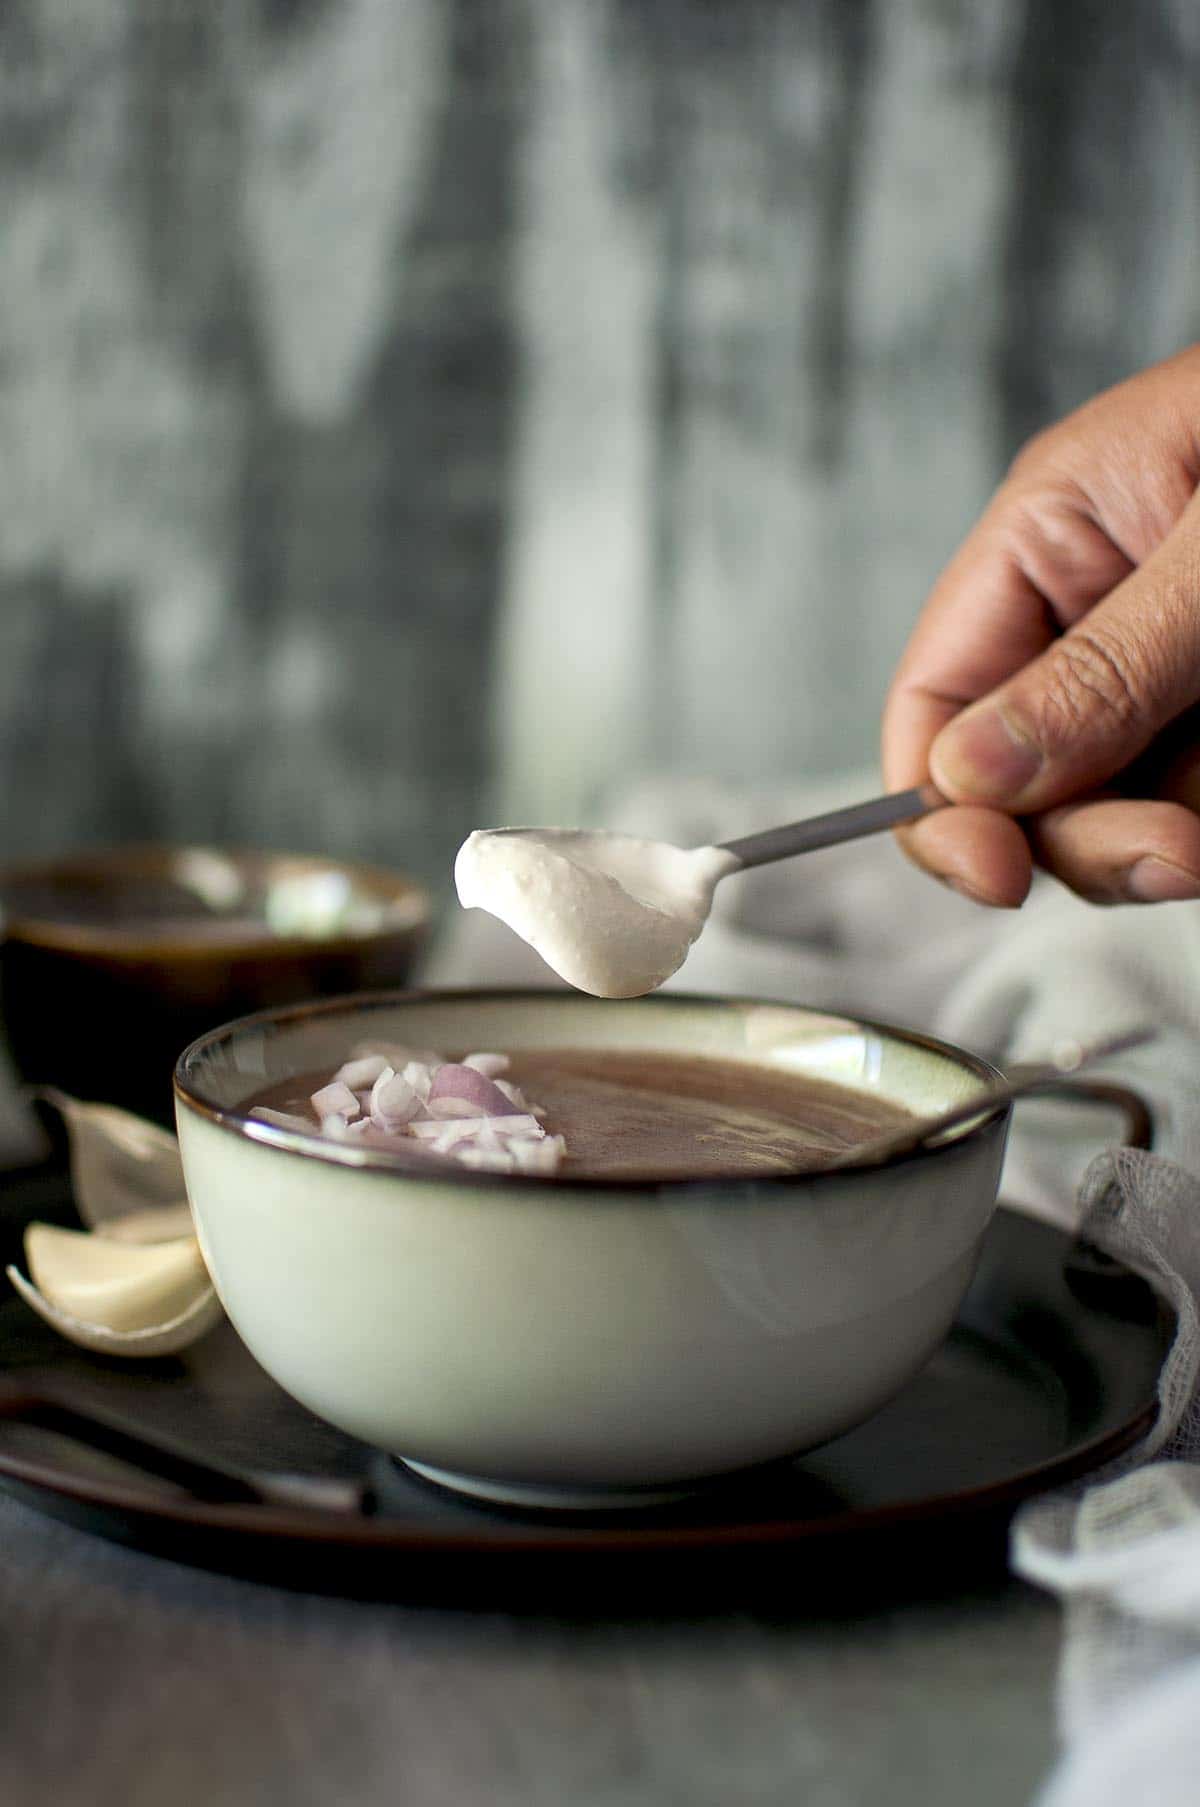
(1051, 672)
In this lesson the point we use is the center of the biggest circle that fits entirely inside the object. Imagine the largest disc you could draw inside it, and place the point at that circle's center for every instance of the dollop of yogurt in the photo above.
(610, 913)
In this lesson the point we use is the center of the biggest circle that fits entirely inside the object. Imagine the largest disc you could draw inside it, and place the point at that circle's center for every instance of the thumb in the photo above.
(1095, 699)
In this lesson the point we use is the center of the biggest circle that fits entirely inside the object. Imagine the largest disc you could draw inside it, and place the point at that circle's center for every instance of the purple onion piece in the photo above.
(483, 1095)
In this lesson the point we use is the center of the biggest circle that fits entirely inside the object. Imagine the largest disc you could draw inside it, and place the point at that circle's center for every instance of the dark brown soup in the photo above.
(667, 1116)
(653, 1116)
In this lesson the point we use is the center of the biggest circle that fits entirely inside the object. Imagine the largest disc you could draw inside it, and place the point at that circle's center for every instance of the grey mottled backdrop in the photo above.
(412, 410)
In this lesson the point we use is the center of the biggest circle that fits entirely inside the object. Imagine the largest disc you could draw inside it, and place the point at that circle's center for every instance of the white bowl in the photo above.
(566, 1342)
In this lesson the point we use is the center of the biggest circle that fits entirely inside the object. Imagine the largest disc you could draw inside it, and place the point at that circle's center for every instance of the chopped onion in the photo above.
(505, 1127)
(483, 1096)
(444, 1135)
(393, 1101)
(433, 1132)
(538, 1157)
(335, 1100)
(494, 1160)
(282, 1119)
(391, 1097)
(362, 1073)
(522, 1124)
(452, 1108)
(420, 1077)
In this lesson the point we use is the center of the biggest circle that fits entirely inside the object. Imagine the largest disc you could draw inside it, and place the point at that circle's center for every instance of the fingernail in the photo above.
(971, 894)
(1157, 881)
(963, 888)
(984, 754)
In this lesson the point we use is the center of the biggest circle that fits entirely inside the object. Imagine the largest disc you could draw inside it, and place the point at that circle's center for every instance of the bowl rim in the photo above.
(348, 1155)
(112, 941)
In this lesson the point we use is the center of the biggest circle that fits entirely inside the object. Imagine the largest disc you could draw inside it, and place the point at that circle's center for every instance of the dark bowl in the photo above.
(114, 961)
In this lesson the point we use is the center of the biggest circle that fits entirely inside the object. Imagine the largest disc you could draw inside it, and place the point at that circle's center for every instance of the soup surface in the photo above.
(659, 1116)
(652, 1116)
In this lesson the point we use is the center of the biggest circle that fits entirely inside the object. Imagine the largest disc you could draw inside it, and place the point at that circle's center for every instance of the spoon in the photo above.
(55, 1405)
(615, 915)
(1068, 1058)
(838, 825)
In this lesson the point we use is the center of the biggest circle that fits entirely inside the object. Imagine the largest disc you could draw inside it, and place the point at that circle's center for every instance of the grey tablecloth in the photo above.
(130, 1682)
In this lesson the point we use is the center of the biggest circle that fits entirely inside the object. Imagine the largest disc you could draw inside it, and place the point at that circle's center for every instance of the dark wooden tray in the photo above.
(1050, 1370)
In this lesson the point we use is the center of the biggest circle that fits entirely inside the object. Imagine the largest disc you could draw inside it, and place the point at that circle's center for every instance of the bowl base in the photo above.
(540, 1498)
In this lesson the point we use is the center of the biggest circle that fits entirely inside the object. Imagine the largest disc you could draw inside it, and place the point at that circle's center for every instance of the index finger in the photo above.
(984, 621)
(1002, 600)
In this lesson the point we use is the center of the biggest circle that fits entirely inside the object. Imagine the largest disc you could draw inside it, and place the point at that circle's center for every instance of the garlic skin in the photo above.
(119, 1163)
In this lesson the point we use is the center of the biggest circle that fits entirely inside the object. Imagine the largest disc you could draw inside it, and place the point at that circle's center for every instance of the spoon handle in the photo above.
(839, 825)
(46, 1402)
(1068, 1059)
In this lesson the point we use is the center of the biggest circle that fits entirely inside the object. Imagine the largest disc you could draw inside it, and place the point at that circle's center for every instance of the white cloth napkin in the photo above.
(857, 928)
(1124, 1553)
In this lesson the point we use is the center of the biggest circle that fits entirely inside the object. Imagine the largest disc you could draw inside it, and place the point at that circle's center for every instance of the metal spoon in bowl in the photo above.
(615, 915)
(1069, 1058)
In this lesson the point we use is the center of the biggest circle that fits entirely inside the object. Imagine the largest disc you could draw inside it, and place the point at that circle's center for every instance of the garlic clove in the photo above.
(120, 1286)
(134, 1283)
(117, 1298)
(154, 1340)
(157, 1223)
